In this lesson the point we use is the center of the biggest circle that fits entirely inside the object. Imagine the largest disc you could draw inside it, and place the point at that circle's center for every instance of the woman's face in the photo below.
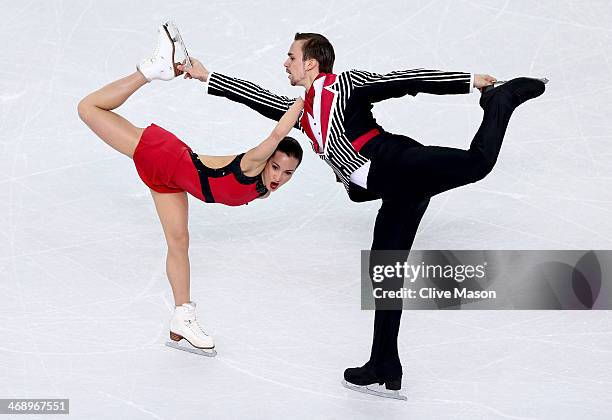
(278, 170)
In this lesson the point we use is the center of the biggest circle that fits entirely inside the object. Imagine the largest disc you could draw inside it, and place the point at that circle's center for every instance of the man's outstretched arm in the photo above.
(255, 97)
(378, 87)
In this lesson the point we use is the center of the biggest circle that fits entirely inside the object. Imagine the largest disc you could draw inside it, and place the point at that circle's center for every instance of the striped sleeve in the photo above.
(377, 87)
(255, 97)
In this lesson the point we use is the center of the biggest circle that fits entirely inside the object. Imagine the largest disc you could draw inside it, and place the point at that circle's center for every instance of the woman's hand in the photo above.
(197, 70)
(483, 80)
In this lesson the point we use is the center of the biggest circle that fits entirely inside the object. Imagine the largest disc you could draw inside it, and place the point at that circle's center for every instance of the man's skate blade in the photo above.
(188, 348)
(501, 82)
(381, 392)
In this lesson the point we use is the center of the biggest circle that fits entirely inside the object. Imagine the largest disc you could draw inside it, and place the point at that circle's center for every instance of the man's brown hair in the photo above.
(318, 47)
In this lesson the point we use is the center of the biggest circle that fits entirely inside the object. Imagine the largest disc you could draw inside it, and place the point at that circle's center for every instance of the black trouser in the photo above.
(406, 174)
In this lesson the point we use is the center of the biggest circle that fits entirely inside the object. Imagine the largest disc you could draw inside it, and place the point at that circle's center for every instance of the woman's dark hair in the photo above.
(291, 148)
(318, 47)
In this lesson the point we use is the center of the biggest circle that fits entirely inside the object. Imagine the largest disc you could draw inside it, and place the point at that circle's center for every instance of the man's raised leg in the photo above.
(424, 171)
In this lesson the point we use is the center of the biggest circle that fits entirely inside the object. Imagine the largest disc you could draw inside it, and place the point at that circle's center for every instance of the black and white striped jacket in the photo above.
(338, 119)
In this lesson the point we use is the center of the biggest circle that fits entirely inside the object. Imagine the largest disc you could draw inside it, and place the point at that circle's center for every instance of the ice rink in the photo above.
(84, 299)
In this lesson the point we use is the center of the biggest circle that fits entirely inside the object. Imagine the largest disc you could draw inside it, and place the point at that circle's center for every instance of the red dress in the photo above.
(167, 165)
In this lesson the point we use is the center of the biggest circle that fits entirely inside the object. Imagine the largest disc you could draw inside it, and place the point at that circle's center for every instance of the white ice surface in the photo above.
(84, 301)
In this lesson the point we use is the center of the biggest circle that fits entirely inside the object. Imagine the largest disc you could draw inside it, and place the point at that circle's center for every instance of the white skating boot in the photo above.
(187, 335)
(162, 65)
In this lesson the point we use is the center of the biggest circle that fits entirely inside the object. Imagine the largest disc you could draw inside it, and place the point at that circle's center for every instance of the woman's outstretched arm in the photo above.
(262, 152)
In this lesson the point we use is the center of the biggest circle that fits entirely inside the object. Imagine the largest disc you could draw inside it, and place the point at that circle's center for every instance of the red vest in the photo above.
(326, 100)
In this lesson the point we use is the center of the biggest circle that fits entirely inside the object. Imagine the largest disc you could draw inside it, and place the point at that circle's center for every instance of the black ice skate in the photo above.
(521, 89)
(363, 379)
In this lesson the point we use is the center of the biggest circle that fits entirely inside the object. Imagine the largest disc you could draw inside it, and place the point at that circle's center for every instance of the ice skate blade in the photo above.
(501, 82)
(190, 349)
(375, 389)
(176, 37)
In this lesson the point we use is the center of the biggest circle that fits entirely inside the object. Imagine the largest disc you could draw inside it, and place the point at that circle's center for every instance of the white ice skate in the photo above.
(375, 389)
(162, 64)
(187, 335)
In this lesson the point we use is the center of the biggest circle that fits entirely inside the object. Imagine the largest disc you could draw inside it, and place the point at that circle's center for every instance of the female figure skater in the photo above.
(171, 170)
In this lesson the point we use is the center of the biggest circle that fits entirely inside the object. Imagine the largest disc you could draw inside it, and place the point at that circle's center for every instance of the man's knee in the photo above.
(481, 168)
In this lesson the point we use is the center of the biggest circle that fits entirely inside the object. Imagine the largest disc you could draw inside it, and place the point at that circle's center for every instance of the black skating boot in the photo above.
(364, 379)
(519, 90)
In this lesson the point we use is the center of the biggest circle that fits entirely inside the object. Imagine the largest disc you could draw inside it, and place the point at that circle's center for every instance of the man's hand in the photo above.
(483, 80)
(197, 70)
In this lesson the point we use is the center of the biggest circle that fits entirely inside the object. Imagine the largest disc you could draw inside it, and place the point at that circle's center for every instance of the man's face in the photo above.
(279, 169)
(295, 65)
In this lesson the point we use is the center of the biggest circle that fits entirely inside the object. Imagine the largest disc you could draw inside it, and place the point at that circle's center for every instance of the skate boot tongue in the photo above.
(187, 310)
(188, 313)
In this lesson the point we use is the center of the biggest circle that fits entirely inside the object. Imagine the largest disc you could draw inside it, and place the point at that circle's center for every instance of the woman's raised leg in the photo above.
(172, 210)
(95, 111)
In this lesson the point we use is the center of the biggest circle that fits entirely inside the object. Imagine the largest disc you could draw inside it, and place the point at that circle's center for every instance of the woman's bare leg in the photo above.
(95, 111)
(172, 210)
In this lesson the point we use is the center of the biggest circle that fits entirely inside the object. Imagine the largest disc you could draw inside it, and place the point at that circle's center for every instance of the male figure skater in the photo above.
(372, 163)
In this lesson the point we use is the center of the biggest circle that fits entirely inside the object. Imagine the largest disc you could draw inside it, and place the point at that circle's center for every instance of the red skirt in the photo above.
(164, 164)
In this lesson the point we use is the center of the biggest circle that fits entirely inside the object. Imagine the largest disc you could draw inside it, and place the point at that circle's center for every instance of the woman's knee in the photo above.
(178, 242)
(86, 110)
(83, 108)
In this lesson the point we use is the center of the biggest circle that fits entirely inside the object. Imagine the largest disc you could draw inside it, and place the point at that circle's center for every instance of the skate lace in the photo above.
(193, 323)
